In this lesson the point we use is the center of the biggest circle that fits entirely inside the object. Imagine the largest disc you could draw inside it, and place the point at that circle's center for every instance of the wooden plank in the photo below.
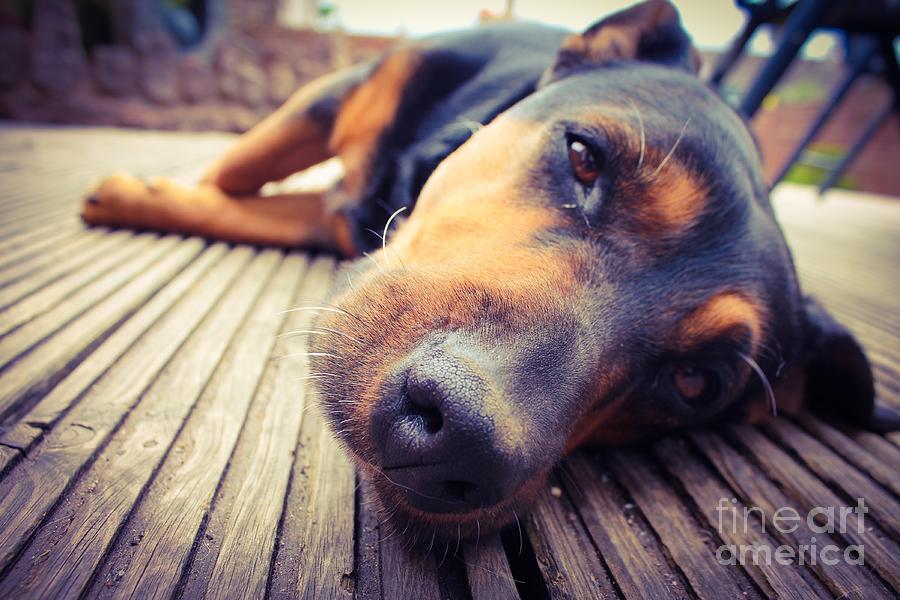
(38, 370)
(690, 544)
(314, 558)
(887, 452)
(487, 570)
(49, 259)
(9, 455)
(32, 487)
(54, 404)
(100, 250)
(239, 540)
(118, 252)
(638, 565)
(171, 511)
(407, 573)
(837, 473)
(367, 571)
(35, 318)
(36, 222)
(882, 553)
(25, 239)
(326, 569)
(565, 554)
(872, 321)
(51, 239)
(102, 497)
(882, 468)
(774, 579)
(755, 489)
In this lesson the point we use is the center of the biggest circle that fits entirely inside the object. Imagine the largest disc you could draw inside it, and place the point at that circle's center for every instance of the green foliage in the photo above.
(815, 164)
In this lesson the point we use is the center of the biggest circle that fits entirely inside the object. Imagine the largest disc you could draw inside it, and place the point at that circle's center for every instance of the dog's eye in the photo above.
(585, 165)
(694, 383)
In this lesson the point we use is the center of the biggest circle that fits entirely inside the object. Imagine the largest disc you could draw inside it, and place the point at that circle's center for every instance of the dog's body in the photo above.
(592, 258)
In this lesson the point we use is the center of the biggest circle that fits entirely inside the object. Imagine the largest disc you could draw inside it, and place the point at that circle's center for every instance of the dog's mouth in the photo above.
(425, 520)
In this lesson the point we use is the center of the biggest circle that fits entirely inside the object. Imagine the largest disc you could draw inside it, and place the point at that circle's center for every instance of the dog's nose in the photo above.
(437, 441)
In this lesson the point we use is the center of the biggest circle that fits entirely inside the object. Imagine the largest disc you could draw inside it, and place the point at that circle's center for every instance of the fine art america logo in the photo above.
(735, 523)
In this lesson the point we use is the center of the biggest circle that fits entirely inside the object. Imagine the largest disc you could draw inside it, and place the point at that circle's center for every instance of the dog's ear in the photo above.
(650, 32)
(839, 381)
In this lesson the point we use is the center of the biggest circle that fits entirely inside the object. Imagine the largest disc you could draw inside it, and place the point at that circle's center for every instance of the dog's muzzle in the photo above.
(437, 435)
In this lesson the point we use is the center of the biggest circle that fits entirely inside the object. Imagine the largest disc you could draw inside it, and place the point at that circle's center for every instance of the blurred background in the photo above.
(223, 64)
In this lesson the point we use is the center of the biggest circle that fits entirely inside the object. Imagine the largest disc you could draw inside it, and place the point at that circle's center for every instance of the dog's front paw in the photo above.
(120, 199)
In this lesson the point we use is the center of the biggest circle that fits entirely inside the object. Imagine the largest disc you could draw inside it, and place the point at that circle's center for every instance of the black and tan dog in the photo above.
(592, 258)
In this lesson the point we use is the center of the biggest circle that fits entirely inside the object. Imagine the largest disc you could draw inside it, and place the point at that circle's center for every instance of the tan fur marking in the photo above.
(675, 203)
(368, 111)
(722, 312)
(789, 391)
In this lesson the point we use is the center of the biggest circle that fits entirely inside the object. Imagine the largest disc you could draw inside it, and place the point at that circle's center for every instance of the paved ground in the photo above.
(152, 445)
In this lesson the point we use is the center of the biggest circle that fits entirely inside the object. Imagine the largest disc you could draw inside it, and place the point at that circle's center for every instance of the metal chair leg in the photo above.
(837, 96)
(734, 53)
(857, 147)
(803, 20)
(892, 75)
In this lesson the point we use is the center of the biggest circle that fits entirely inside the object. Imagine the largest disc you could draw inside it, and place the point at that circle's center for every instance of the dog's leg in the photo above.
(283, 220)
(225, 205)
(293, 138)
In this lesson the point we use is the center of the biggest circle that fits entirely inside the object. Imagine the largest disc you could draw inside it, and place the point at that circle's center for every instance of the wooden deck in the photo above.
(152, 446)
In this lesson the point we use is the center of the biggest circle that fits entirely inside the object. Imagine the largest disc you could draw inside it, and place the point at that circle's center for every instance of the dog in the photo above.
(561, 240)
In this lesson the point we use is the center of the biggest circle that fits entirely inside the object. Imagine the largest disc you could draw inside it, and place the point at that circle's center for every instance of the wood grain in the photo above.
(32, 487)
(239, 543)
(568, 561)
(635, 559)
(35, 372)
(688, 542)
(774, 579)
(173, 507)
(882, 552)
(487, 570)
(103, 495)
(755, 489)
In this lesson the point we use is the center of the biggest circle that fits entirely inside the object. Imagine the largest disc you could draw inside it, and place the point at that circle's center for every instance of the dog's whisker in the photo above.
(319, 331)
(496, 574)
(521, 537)
(770, 393)
(478, 533)
(299, 354)
(418, 493)
(564, 469)
(387, 226)
(674, 146)
(342, 334)
(640, 118)
(317, 376)
(372, 258)
(431, 544)
(319, 303)
(444, 556)
(324, 308)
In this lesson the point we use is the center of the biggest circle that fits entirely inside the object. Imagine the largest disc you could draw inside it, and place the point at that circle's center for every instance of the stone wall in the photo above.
(246, 66)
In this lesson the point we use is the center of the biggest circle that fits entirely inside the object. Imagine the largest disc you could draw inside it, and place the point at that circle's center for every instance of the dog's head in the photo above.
(598, 264)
